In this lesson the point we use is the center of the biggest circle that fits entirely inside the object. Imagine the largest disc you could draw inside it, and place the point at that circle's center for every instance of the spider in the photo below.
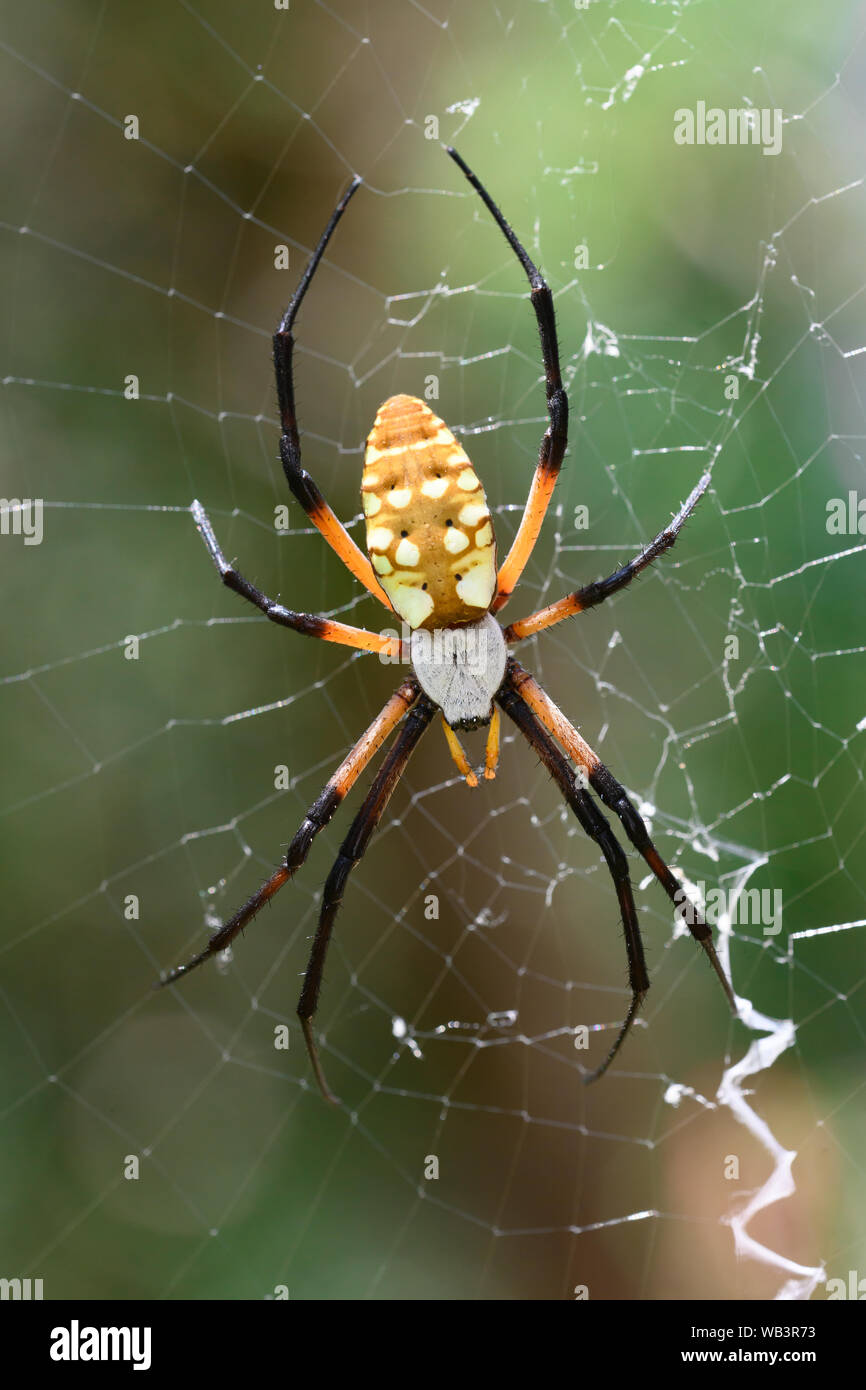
(432, 561)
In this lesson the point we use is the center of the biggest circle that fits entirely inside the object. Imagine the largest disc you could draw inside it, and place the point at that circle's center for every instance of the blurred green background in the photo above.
(155, 257)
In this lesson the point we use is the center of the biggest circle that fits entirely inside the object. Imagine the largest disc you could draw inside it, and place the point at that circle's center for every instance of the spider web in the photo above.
(164, 1145)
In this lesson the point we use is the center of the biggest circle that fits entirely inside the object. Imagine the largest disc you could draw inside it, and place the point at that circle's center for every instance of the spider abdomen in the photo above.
(429, 532)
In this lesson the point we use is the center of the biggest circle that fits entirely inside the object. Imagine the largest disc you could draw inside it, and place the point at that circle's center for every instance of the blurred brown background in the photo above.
(155, 258)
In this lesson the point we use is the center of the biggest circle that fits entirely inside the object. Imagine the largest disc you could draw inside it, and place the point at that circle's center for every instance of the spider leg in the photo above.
(600, 589)
(317, 817)
(307, 623)
(598, 829)
(615, 798)
(351, 851)
(491, 751)
(455, 748)
(555, 440)
(300, 482)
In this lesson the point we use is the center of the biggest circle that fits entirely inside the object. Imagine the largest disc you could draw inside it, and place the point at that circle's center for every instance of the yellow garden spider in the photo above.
(433, 561)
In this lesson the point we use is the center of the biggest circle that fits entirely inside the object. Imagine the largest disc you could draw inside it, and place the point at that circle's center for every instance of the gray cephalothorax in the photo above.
(461, 669)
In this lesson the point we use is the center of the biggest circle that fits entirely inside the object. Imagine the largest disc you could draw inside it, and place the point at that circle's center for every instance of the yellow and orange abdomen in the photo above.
(429, 532)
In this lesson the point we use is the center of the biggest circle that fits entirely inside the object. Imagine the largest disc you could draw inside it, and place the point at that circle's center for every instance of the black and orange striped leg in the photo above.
(600, 589)
(317, 817)
(300, 482)
(616, 799)
(351, 851)
(307, 623)
(598, 829)
(555, 440)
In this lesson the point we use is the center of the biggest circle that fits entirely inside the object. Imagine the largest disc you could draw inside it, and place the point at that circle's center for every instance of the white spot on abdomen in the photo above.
(379, 538)
(455, 540)
(472, 513)
(434, 487)
(475, 587)
(411, 603)
(407, 554)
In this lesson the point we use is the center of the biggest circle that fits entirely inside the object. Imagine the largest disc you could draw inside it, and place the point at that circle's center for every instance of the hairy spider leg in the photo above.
(304, 489)
(309, 624)
(601, 589)
(598, 829)
(317, 817)
(555, 440)
(351, 851)
(615, 798)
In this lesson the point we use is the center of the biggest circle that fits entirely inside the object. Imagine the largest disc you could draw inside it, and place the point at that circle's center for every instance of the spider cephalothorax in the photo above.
(461, 669)
(433, 562)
